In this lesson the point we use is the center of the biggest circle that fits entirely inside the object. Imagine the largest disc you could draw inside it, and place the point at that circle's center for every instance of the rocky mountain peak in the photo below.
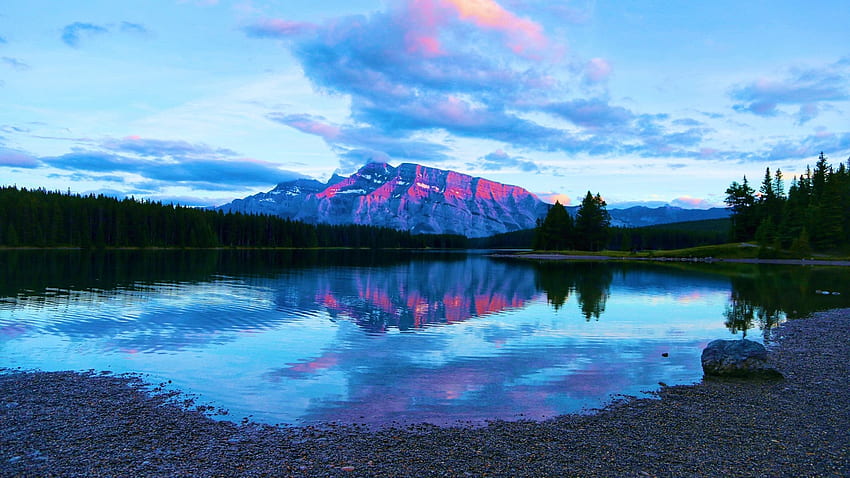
(410, 197)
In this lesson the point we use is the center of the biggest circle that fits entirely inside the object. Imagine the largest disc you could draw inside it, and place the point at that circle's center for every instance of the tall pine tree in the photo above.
(592, 223)
(556, 230)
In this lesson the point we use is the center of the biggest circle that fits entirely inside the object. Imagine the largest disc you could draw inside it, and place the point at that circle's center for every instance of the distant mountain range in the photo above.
(428, 200)
(639, 216)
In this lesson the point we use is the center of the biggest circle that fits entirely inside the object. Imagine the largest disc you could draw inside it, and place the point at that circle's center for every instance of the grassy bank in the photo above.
(742, 250)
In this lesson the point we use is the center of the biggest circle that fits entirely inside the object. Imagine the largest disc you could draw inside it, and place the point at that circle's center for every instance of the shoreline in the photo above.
(99, 424)
(706, 260)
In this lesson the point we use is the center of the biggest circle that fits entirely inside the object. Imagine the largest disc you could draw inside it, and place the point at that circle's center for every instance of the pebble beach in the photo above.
(93, 424)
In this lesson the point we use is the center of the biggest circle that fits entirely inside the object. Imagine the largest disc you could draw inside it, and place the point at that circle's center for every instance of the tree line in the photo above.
(588, 231)
(814, 214)
(41, 218)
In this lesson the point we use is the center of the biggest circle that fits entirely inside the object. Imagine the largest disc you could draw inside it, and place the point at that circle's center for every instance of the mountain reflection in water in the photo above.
(306, 336)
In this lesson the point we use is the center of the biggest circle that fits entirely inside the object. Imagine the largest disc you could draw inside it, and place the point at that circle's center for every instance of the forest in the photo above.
(591, 230)
(40, 218)
(813, 216)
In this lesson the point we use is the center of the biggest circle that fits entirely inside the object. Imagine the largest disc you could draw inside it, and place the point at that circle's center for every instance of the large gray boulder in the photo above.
(737, 358)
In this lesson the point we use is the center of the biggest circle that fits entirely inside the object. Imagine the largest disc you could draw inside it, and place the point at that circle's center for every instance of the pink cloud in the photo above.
(597, 70)
(708, 152)
(552, 197)
(422, 21)
(311, 125)
(691, 202)
(425, 18)
(277, 28)
(456, 110)
(429, 46)
(823, 133)
(524, 33)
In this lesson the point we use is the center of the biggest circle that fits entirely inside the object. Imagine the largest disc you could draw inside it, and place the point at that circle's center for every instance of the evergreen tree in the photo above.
(556, 230)
(592, 223)
(740, 199)
(822, 170)
(793, 215)
(769, 201)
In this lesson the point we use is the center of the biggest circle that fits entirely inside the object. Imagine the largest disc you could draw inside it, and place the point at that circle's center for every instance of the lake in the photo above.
(376, 337)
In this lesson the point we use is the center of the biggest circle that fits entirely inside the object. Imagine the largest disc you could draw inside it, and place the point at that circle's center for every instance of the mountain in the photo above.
(408, 197)
(427, 200)
(639, 216)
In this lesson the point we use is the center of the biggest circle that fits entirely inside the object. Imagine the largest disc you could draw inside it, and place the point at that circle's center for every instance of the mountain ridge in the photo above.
(422, 199)
(410, 197)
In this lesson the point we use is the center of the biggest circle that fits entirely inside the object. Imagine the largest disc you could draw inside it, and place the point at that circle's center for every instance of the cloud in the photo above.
(15, 63)
(523, 35)
(552, 197)
(808, 147)
(360, 145)
(688, 202)
(200, 2)
(572, 13)
(440, 79)
(195, 165)
(806, 88)
(71, 33)
(128, 27)
(499, 160)
(591, 113)
(597, 70)
(276, 28)
(6, 128)
(163, 148)
(16, 159)
(461, 69)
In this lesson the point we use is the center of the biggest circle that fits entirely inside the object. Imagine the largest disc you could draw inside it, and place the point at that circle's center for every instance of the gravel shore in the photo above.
(91, 424)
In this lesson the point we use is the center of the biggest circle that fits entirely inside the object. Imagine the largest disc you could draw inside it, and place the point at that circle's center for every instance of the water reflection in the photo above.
(415, 294)
(308, 336)
(590, 281)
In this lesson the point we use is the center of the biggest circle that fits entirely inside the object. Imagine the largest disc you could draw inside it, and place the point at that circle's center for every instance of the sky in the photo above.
(202, 101)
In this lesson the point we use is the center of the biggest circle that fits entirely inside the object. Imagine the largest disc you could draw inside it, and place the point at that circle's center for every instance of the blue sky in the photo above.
(204, 101)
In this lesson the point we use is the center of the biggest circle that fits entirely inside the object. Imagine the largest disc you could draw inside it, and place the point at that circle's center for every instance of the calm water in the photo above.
(307, 337)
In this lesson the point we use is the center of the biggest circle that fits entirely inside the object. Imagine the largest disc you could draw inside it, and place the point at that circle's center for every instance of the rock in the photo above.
(737, 358)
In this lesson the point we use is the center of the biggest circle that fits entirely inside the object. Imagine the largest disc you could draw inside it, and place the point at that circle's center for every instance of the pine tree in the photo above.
(556, 230)
(592, 223)
(740, 199)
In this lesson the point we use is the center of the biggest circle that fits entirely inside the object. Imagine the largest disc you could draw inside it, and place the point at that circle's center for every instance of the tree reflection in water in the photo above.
(590, 281)
(761, 296)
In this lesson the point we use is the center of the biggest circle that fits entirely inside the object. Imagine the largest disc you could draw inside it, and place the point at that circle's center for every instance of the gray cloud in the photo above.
(499, 160)
(17, 159)
(807, 88)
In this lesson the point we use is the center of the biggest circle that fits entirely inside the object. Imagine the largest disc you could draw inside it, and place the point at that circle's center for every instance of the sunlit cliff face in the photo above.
(408, 197)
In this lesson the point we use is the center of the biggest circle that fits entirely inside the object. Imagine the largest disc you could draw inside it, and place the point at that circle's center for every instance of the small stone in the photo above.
(347, 468)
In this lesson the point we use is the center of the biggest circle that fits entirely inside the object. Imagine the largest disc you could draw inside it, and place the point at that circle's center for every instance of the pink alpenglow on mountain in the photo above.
(410, 197)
